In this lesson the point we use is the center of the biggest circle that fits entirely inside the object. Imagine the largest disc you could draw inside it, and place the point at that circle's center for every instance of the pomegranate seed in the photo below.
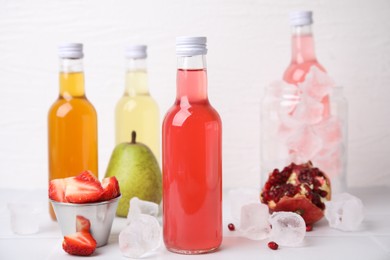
(273, 245)
(231, 227)
(323, 193)
(309, 228)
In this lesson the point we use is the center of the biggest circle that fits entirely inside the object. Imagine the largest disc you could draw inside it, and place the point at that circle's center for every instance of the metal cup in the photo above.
(99, 214)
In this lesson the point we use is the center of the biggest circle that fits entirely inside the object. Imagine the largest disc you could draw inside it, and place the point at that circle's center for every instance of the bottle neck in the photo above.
(302, 44)
(71, 78)
(191, 79)
(136, 77)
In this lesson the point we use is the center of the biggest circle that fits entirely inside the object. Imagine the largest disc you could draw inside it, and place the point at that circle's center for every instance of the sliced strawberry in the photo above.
(87, 176)
(110, 188)
(83, 188)
(82, 224)
(79, 243)
(57, 190)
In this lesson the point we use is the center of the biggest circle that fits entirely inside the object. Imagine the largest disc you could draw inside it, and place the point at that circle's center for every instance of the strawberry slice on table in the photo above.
(57, 190)
(79, 243)
(83, 188)
(110, 188)
(82, 224)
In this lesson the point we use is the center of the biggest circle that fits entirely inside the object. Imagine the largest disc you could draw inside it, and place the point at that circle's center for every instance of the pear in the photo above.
(138, 173)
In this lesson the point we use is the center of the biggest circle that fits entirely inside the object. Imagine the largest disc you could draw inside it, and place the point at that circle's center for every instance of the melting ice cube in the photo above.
(24, 217)
(286, 116)
(281, 89)
(140, 236)
(329, 130)
(143, 232)
(304, 144)
(254, 221)
(344, 212)
(308, 110)
(288, 228)
(317, 84)
(138, 206)
(281, 100)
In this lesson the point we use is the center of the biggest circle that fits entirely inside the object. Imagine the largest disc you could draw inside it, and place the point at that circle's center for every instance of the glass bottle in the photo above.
(137, 110)
(304, 117)
(192, 158)
(72, 121)
(303, 55)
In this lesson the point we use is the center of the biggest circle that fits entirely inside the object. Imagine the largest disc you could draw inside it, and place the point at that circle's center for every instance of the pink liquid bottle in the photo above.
(303, 56)
(304, 116)
(192, 158)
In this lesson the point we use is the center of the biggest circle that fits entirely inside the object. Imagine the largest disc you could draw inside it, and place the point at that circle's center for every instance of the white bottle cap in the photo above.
(136, 51)
(191, 46)
(301, 18)
(71, 50)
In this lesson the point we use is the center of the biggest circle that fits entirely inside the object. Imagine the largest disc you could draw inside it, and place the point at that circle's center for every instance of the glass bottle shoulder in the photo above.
(63, 107)
(191, 113)
(128, 103)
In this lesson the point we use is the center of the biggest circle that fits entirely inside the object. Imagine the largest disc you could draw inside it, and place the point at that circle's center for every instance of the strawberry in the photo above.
(82, 224)
(83, 188)
(110, 188)
(87, 176)
(79, 243)
(57, 190)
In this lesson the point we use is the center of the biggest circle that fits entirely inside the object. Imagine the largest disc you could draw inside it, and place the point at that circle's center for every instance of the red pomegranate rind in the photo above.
(297, 188)
(302, 206)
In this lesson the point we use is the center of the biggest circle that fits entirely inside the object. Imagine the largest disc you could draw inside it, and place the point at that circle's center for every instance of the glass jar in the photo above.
(298, 126)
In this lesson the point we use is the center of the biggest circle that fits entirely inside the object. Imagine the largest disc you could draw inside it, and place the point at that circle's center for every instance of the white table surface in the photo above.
(371, 242)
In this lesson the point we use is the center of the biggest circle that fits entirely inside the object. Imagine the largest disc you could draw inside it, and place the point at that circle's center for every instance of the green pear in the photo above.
(138, 173)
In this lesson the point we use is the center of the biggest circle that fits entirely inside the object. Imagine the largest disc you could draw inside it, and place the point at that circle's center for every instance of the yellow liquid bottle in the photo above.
(137, 110)
(72, 121)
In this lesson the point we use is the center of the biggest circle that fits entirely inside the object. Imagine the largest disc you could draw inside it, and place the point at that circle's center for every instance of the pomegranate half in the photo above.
(302, 189)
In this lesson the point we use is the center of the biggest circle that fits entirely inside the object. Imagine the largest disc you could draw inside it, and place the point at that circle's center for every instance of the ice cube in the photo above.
(138, 206)
(288, 228)
(330, 161)
(142, 235)
(317, 84)
(329, 130)
(143, 231)
(24, 217)
(327, 150)
(304, 144)
(287, 119)
(285, 109)
(281, 89)
(344, 212)
(308, 110)
(254, 221)
(239, 197)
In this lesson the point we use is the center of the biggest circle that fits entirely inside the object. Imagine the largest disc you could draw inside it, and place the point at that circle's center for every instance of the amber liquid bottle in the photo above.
(72, 121)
